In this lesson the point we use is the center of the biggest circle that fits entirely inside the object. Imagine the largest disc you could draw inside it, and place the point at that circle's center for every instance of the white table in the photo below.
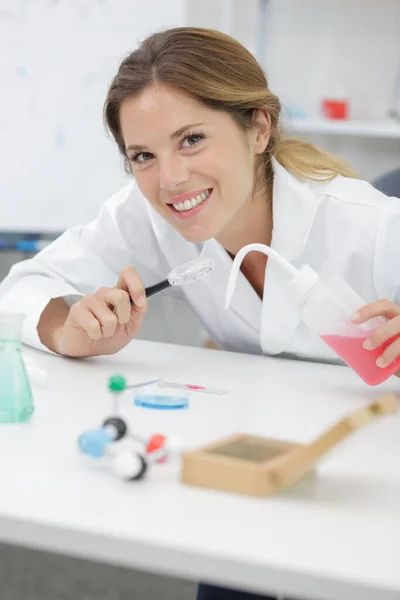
(337, 538)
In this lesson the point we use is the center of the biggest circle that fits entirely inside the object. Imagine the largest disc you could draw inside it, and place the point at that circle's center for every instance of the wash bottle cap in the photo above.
(305, 279)
(302, 279)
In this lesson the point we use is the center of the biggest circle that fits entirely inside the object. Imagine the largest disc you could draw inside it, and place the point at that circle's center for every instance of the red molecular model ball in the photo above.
(156, 442)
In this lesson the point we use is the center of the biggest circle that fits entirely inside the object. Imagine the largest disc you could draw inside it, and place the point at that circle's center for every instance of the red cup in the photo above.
(335, 109)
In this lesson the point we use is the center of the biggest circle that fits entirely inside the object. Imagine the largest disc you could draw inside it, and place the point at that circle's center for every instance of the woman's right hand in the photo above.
(104, 322)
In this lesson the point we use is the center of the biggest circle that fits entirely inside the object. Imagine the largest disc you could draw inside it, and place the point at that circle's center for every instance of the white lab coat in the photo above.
(343, 227)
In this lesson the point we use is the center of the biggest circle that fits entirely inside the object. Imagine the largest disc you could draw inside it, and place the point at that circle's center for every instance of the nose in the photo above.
(172, 172)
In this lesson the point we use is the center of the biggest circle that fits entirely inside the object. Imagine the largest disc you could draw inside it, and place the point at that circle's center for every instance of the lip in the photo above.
(188, 214)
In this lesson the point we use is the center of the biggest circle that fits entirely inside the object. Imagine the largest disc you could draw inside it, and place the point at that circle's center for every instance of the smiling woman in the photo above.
(199, 130)
(193, 116)
(193, 164)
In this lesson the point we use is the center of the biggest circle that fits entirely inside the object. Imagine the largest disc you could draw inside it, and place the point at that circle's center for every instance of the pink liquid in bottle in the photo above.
(362, 361)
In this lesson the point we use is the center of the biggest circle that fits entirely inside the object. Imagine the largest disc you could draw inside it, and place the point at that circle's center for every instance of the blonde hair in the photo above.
(222, 74)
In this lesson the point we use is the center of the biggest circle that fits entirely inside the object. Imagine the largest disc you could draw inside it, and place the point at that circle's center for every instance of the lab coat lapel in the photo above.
(294, 208)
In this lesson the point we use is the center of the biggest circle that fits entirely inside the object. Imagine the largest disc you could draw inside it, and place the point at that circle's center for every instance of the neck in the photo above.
(252, 225)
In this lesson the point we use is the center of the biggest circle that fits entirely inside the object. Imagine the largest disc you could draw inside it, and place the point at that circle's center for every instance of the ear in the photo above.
(261, 131)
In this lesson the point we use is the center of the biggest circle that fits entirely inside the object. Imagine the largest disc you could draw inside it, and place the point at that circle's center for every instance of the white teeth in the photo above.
(192, 203)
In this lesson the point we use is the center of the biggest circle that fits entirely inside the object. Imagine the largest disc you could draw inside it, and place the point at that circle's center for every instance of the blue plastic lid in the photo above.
(161, 401)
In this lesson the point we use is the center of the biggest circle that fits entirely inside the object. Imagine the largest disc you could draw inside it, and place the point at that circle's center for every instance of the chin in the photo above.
(196, 239)
(196, 235)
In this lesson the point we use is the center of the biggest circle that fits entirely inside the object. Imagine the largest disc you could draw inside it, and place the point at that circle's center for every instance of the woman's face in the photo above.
(193, 164)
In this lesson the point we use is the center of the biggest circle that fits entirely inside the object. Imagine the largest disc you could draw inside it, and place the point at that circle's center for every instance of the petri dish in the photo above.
(154, 397)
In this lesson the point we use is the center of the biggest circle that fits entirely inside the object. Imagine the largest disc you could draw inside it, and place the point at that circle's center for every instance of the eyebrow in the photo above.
(173, 136)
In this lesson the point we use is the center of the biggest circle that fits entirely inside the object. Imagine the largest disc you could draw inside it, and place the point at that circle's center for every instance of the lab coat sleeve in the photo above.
(387, 252)
(85, 258)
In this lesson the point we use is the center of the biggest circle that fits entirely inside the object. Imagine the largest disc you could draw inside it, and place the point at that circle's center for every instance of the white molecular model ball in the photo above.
(129, 465)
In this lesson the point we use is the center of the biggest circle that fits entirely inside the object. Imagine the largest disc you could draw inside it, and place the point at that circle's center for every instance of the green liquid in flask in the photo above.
(16, 402)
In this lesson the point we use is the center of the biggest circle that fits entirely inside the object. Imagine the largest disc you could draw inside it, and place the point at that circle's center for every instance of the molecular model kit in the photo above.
(131, 459)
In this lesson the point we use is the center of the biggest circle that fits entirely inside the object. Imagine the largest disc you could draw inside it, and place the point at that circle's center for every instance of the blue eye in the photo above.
(192, 139)
(141, 157)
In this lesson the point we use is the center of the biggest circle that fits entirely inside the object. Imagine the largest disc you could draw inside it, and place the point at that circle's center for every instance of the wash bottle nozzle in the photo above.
(302, 279)
(326, 306)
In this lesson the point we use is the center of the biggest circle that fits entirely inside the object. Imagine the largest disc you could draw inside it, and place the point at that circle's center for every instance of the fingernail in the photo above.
(356, 316)
(382, 362)
(140, 301)
(368, 344)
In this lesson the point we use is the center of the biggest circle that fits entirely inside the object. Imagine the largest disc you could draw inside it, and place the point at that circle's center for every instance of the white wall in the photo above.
(56, 59)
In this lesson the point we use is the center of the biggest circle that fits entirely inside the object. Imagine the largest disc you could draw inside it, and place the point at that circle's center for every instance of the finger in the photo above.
(130, 281)
(105, 316)
(119, 300)
(380, 308)
(96, 318)
(82, 317)
(391, 353)
(382, 334)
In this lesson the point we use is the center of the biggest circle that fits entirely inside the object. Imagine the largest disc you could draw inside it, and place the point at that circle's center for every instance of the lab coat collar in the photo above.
(294, 208)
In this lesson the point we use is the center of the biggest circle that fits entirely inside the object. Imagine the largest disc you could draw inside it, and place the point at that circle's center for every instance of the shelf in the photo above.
(372, 129)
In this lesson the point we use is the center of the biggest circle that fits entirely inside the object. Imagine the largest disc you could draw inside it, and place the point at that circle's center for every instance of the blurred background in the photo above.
(335, 65)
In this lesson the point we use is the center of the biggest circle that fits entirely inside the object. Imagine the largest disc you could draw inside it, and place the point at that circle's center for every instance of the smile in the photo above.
(191, 206)
(191, 202)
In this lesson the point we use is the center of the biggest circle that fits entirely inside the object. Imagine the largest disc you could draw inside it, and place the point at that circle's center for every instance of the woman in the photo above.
(194, 119)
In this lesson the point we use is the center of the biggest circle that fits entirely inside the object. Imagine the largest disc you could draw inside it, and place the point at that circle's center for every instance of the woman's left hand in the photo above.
(388, 330)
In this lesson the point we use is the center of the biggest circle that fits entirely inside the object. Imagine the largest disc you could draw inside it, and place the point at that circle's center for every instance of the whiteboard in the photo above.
(57, 57)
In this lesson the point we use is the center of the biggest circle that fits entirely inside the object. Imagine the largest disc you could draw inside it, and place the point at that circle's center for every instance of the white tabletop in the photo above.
(337, 538)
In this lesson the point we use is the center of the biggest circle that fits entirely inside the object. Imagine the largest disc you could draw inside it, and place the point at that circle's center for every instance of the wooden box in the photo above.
(241, 463)
(257, 466)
